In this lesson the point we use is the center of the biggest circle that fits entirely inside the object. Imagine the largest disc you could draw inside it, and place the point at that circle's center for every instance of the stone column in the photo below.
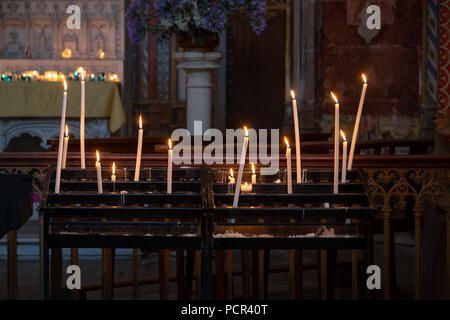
(198, 67)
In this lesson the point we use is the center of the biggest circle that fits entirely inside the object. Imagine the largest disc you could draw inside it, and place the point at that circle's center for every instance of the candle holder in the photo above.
(101, 76)
(231, 187)
(92, 77)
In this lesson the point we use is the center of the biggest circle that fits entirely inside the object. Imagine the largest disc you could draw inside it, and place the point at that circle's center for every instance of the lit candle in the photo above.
(289, 166)
(241, 168)
(336, 144)
(61, 137)
(358, 120)
(98, 166)
(254, 174)
(82, 119)
(139, 151)
(231, 177)
(113, 175)
(344, 158)
(246, 187)
(66, 144)
(298, 160)
(169, 168)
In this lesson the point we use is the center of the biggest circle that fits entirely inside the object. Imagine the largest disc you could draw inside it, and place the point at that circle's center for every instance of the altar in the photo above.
(34, 108)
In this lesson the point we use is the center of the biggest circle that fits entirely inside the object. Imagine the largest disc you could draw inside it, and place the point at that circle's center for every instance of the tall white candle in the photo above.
(357, 122)
(66, 145)
(336, 145)
(98, 166)
(344, 158)
(137, 172)
(169, 168)
(241, 169)
(113, 175)
(289, 166)
(82, 119)
(253, 174)
(298, 161)
(61, 137)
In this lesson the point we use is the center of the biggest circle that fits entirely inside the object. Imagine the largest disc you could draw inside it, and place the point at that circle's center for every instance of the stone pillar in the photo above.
(198, 67)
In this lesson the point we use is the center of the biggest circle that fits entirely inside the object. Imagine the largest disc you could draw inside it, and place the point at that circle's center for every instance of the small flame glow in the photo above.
(101, 54)
(140, 121)
(64, 82)
(343, 135)
(170, 144)
(114, 168)
(286, 141)
(81, 71)
(231, 173)
(334, 97)
(293, 94)
(98, 156)
(67, 131)
(246, 131)
(364, 78)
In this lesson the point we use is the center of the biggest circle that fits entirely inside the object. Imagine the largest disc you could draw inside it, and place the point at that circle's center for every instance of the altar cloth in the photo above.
(42, 99)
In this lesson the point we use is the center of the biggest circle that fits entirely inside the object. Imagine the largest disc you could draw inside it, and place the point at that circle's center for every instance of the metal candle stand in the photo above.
(201, 207)
(300, 213)
(135, 219)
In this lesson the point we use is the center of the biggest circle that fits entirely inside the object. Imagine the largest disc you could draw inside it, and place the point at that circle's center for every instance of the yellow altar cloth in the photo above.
(42, 99)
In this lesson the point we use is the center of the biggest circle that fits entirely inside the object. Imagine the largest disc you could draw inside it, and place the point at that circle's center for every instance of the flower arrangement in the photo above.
(192, 18)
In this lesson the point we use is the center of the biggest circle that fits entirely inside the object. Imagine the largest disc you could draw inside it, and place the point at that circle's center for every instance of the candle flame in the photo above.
(81, 71)
(101, 54)
(343, 135)
(286, 141)
(246, 131)
(114, 168)
(140, 121)
(364, 78)
(293, 94)
(334, 97)
(64, 82)
(231, 173)
(98, 156)
(170, 144)
(67, 131)
(253, 168)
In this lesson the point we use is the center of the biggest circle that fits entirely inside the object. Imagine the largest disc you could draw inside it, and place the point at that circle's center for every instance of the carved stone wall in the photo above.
(37, 29)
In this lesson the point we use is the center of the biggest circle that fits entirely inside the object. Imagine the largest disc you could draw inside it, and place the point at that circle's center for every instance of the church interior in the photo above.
(224, 150)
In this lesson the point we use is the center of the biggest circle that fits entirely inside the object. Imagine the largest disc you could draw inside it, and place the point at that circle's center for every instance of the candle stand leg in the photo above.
(417, 251)
(229, 274)
(190, 263)
(107, 274)
(12, 265)
(164, 274)
(220, 274)
(355, 275)
(135, 273)
(180, 275)
(246, 274)
(56, 272)
(198, 274)
(298, 274)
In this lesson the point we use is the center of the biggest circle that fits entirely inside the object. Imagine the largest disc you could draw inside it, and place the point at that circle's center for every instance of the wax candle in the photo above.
(336, 144)
(246, 187)
(98, 166)
(298, 161)
(113, 175)
(137, 172)
(61, 137)
(358, 120)
(66, 145)
(344, 158)
(231, 177)
(169, 168)
(253, 174)
(241, 168)
(82, 119)
(289, 166)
